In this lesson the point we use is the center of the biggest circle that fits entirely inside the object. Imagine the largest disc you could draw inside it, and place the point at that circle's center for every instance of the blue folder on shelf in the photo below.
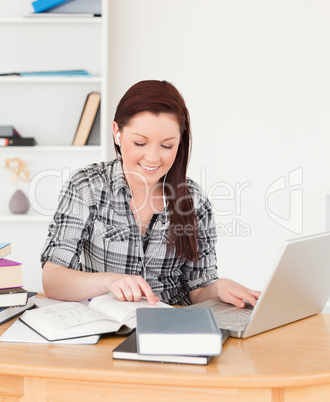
(58, 73)
(42, 5)
(83, 7)
(61, 73)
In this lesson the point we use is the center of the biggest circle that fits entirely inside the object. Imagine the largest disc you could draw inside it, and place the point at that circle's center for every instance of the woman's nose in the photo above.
(152, 155)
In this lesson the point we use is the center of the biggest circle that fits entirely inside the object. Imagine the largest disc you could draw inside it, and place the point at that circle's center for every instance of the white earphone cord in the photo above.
(142, 255)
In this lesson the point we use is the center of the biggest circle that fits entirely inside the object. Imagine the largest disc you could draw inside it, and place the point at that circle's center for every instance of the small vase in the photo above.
(19, 203)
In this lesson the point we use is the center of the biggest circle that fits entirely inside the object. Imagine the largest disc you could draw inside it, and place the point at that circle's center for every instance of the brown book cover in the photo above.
(87, 118)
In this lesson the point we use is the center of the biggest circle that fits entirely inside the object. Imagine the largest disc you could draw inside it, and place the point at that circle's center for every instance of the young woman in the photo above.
(137, 226)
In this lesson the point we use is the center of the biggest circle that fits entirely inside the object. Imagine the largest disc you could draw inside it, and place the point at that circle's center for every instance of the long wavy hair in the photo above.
(162, 97)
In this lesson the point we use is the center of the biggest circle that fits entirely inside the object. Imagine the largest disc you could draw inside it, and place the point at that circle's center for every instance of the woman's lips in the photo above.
(149, 169)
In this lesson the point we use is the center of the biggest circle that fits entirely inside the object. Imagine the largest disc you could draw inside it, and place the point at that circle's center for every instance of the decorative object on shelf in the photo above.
(19, 203)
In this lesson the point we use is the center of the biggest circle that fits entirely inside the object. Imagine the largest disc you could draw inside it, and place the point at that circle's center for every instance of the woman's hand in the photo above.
(132, 288)
(228, 291)
(68, 284)
(232, 292)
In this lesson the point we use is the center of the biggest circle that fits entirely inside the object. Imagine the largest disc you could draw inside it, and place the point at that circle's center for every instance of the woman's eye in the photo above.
(167, 146)
(139, 144)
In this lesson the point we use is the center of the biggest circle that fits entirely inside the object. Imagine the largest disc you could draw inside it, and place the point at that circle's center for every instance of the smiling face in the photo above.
(149, 144)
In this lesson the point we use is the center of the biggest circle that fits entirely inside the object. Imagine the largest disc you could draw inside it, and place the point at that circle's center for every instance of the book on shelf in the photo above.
(12, 297)
(94, 137)
(7, 313)
(10, 274)
(17, 142)
(51, 73)
(5, 249)
(86, 7)
(182, 331)
(87, 119)
(9, 131)
(103, 314)
(127, 350)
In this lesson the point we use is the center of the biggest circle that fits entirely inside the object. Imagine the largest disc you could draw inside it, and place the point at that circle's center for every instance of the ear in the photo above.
(115, 130)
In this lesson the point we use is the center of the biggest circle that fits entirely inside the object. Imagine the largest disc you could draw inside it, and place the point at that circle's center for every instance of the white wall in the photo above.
(255, 76)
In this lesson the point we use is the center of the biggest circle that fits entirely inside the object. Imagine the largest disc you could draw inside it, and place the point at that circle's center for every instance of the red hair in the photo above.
(162, 97)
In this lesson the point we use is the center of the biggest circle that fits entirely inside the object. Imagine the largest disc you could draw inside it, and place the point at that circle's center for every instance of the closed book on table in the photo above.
(7, 313)
(180, 331)
(13, 297)
(5, 249)
(10, 274)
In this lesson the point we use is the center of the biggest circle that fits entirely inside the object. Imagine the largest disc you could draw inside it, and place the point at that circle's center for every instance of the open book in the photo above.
(104, 314)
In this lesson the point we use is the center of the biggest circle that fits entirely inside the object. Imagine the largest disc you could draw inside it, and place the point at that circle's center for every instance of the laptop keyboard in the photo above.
(235, 320)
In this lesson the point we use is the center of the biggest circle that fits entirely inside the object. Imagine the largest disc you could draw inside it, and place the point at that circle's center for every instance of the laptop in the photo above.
(298, 287)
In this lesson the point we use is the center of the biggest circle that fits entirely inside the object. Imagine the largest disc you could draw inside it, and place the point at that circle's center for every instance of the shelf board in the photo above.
(54, 148)
(9, 79)
(50, 20)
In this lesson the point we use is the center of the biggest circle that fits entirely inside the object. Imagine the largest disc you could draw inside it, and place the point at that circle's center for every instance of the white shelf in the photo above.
(50, 20)
(54, 148)
(15, 79)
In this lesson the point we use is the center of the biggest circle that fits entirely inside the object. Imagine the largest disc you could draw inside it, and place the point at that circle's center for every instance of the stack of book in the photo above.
(188, 336)
(14, 299)
(9, 136)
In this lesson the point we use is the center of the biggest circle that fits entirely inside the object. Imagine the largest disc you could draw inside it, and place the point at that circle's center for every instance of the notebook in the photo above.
(298, 287)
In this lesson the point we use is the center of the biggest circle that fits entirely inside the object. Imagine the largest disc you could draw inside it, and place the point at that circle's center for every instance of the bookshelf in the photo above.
(49, 108)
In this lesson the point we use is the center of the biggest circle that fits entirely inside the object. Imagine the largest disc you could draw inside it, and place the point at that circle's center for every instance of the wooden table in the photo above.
(291, 363)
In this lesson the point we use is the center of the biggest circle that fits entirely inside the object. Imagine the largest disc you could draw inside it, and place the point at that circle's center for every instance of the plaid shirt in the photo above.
(94, 230)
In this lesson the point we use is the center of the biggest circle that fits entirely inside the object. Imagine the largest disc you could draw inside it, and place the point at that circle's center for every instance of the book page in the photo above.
(123, 312)
(65, 315)
(19, 332)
